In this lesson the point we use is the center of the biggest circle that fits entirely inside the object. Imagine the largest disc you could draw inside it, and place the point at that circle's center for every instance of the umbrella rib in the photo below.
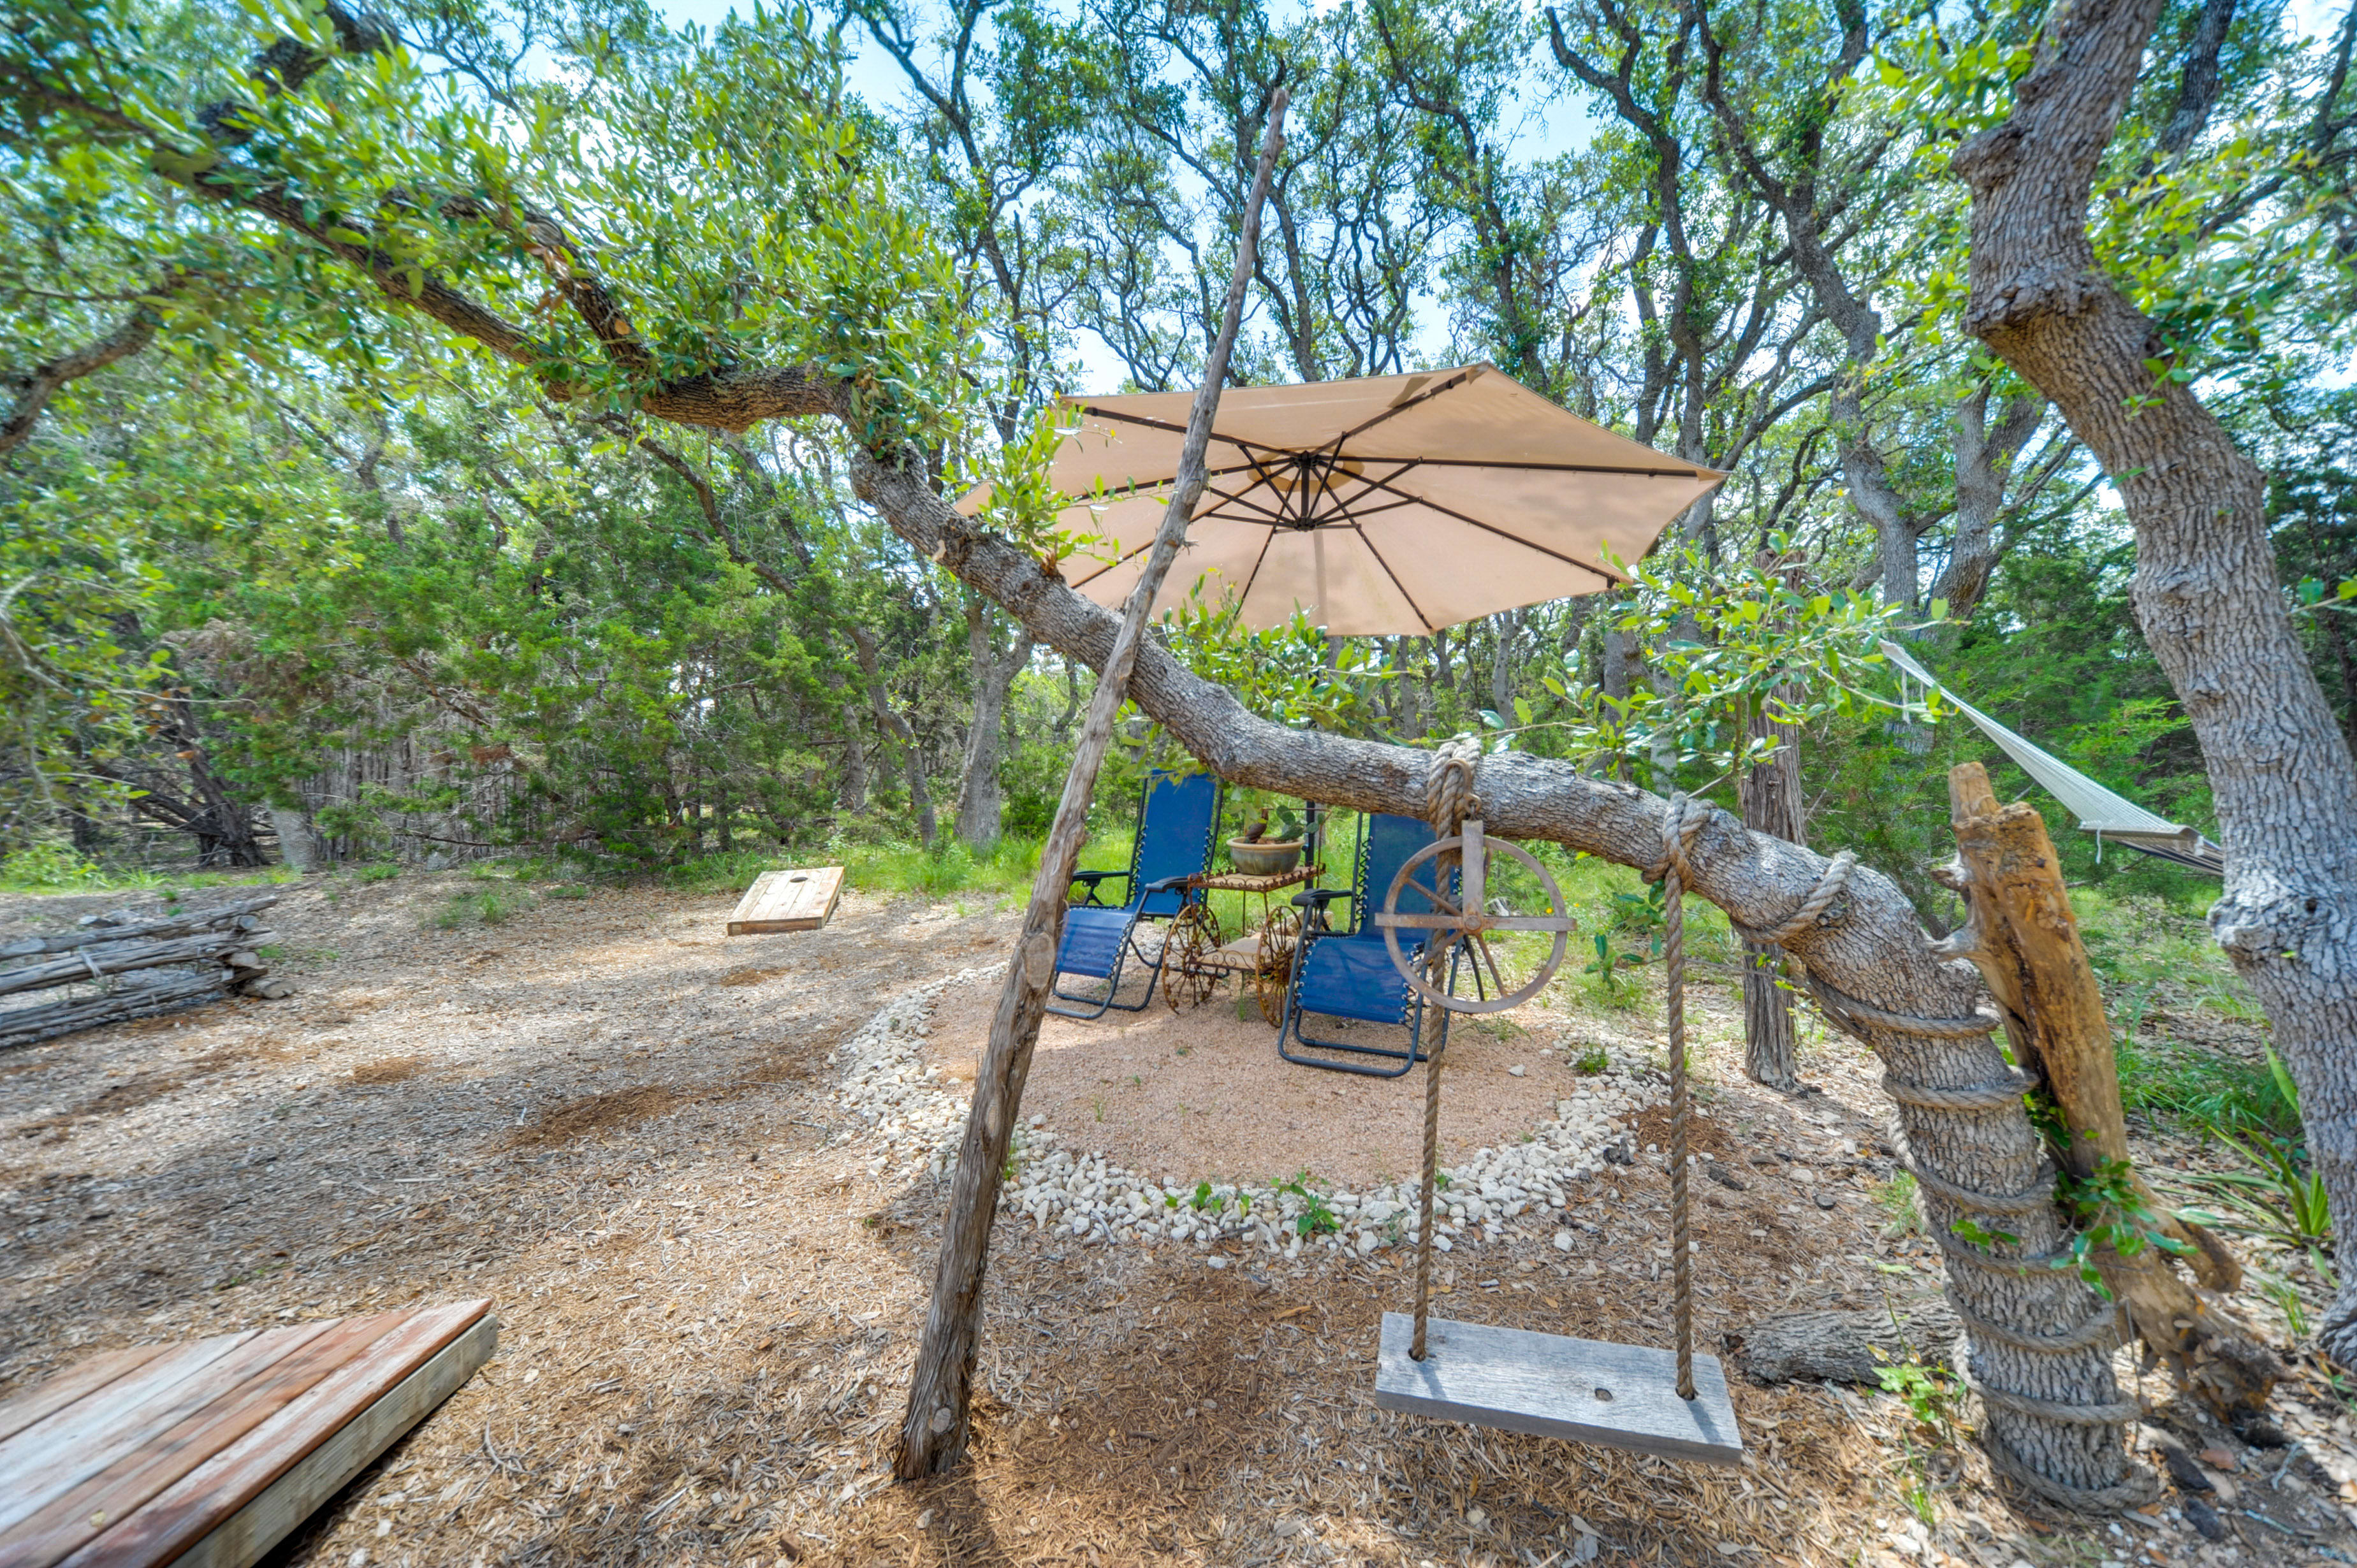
(1541, 467)
(1461, 377)
(1486, 528)
(1121, 560)
(1254, 575)
(1241, 443)
(1393, 576)
(1351, 514)
(1346, 507)
(1238, 496)
(1130, 487)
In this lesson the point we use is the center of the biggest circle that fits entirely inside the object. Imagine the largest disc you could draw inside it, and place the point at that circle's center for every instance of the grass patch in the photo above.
(55, 868)
(1902, 1214)
(487, 908)
(729, 872)
(2148, 952)
(2166, 1079)
(1005, 870)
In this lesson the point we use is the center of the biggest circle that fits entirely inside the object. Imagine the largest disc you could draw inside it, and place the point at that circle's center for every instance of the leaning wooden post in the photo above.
(941, 1387)
(2024, 938)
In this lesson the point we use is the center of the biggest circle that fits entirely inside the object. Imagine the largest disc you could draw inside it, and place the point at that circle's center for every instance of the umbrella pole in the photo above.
(933, 1432)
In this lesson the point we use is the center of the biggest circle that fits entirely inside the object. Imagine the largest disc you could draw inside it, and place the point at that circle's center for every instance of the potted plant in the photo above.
(1267, 848)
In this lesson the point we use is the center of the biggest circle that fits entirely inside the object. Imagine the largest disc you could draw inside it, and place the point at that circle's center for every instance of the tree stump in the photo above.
(2024, 938)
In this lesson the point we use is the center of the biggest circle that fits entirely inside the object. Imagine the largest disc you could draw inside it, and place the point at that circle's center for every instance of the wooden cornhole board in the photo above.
(796, 900)
(1622, 1396)
(206, 1455)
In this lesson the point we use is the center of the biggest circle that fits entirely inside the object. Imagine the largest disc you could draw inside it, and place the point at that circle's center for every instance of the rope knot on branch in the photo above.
(1448, 797)
(1832, 882)
(1682, 821)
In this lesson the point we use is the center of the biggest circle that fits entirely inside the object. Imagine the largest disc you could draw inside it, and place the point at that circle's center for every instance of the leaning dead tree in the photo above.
(933, 1433)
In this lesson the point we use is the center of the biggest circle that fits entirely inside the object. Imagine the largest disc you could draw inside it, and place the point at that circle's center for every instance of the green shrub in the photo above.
(49, 866)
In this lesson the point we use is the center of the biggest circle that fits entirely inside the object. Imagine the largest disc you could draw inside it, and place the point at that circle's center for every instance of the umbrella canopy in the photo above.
(1383, 506)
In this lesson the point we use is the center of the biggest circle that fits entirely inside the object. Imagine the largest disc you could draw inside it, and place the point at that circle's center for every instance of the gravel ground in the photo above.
(701, 1180)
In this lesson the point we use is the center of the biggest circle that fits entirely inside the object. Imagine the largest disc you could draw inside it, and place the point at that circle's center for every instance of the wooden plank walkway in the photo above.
(209, 1453)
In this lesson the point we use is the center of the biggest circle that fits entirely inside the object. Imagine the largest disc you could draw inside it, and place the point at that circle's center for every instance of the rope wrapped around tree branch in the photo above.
(1831, 885)
(2100, 1330)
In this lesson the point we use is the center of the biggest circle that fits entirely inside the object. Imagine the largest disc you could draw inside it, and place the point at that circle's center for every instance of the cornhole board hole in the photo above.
(798, 900)
(206, 1455)
(1550, 1385)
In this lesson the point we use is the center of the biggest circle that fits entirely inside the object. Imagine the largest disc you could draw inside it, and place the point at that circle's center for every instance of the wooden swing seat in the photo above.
(1550, 1385)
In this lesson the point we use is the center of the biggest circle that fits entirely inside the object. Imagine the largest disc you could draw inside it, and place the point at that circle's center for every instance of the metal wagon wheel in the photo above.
(1280, 941)
(1189, 975)
(1458, 934)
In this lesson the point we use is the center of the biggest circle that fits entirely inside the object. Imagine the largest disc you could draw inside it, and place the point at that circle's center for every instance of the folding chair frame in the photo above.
(1313, 907)
(1096, 1007)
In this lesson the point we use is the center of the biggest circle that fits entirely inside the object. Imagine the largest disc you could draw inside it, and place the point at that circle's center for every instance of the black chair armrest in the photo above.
(1318, 897)
(1164, 884)
(1094, 877)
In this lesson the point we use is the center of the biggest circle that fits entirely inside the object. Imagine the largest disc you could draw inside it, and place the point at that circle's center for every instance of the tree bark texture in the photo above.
(2205, 588)
(979, 799)
(940, 1384)
(1771, 804)
(298, 840)
(2025, 939)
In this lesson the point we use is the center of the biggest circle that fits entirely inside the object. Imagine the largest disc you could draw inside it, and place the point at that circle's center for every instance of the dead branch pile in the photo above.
(113, 968)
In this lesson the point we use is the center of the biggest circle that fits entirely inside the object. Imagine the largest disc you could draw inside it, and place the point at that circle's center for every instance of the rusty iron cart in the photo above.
(1258, 954)
(1203, 957)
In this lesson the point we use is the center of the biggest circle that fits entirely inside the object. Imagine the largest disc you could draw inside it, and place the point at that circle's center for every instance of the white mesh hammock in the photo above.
(2100, 813)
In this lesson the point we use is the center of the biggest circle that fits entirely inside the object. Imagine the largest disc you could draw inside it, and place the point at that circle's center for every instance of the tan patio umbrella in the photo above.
(1383, 506)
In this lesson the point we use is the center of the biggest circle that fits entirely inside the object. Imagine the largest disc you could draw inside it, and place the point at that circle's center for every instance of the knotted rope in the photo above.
(1448, 800)
(1831, 884)
(1682, 821)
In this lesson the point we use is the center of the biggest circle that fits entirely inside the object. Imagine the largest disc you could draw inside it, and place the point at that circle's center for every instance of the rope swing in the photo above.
(1672, 1403)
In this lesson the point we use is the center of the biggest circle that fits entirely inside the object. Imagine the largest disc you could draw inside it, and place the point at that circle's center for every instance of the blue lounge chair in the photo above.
(1348, 973)
(1175, 823)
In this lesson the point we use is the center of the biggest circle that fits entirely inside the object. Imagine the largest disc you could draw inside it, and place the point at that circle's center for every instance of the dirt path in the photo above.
(623, 1129)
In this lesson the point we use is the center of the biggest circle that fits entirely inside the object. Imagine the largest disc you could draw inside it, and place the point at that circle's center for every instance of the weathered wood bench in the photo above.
(209, 1453)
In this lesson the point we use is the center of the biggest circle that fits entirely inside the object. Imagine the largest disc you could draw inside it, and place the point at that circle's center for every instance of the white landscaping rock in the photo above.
(916, 1115)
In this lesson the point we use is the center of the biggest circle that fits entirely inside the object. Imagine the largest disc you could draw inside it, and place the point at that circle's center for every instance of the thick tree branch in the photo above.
(34, 388)
(2197, 89)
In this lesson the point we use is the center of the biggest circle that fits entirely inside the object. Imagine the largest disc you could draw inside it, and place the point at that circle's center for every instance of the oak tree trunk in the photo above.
(979, 799)
(2205, 588)
(1771, 804)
